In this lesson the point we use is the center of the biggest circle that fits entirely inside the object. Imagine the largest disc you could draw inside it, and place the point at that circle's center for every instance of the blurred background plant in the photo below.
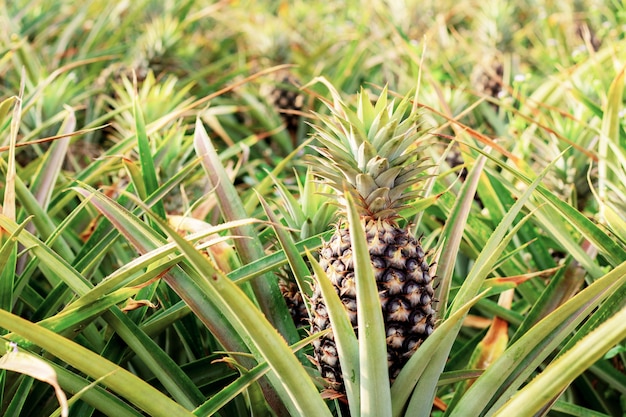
(157, 207)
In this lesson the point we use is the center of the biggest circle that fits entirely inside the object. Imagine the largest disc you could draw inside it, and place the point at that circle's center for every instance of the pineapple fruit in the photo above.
(288, 101)
(373, 154)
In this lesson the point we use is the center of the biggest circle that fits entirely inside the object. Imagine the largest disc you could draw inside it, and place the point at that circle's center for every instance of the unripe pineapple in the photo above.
(373, 154)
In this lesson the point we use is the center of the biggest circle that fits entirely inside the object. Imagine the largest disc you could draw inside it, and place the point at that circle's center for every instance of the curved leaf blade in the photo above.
(373, 367)
(558, 375)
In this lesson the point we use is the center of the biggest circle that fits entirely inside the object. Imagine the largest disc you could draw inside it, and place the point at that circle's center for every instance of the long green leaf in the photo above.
(487, 258)
(145, 156)
(229, 392)
(144, 240)
(373, 368)
(265, 287)
(165, 369)
(559, 374)
(125, 275)
(15, 407)
(8, 261)
(8, 203)
(235, 388)
(609, 139)
(303, 397)
(609, 248)
(403, 386)
(502, 379)
(44, 224)
(162, 365)
(297, 264)
(453, 233)
(489, 254)
(276, 259)
(43, 184)
(5, 108)
(562, 285)
(345, 338)
(76, 318)
(431, 374)
(9, 245)
(120, 381)
(53, 266)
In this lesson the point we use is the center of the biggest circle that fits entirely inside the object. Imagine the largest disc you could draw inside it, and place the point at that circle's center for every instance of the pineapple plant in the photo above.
(495, 26)
(374, 154)
(307, 213)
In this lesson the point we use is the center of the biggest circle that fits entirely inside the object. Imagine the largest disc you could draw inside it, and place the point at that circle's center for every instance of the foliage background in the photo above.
(113, 107)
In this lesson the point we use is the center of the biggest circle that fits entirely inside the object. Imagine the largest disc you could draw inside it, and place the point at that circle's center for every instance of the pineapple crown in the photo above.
(372, 152)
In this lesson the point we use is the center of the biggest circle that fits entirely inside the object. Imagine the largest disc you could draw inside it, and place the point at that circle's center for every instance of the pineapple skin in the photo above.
(405, 289)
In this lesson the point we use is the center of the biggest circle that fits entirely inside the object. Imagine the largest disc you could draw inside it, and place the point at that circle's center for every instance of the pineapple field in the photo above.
(279, 208)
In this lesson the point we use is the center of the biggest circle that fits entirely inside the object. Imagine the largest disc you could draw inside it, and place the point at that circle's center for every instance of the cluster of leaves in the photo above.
(152, 200)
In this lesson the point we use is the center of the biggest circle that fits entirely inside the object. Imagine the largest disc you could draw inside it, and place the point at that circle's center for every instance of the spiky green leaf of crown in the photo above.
(372, 152)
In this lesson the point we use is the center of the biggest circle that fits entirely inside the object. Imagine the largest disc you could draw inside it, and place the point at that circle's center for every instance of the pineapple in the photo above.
(495, 26)
(373, 154)
(287, 100)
